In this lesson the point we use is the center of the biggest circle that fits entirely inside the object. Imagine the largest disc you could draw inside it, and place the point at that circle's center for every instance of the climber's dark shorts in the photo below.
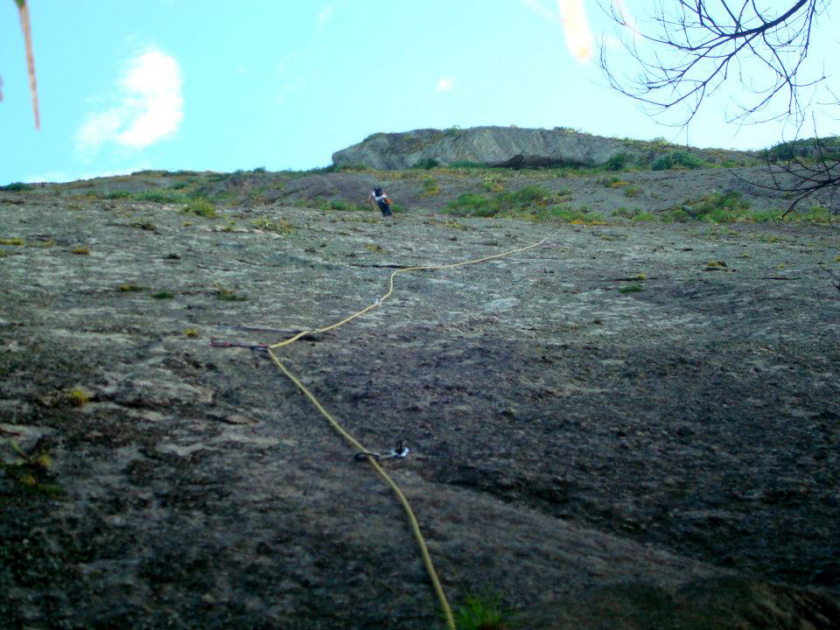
(386, 208)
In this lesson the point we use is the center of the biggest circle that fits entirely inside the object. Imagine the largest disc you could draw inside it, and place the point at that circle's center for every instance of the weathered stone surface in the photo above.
(580, 451)
(17, 440)
(707, 604)
(510, 146)
(498, 146)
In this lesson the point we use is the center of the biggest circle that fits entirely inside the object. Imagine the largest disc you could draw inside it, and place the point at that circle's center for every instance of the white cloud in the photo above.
(325, 14)
(446, 84)
(540, 9)
(149, 106)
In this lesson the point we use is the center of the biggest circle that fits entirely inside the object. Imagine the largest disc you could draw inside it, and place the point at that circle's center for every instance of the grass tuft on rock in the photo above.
(77, 397)
(278, 226)
(677, 160)
(632, 288)
(480, 613)
(201, 208)
(161, 196)
(226, 295)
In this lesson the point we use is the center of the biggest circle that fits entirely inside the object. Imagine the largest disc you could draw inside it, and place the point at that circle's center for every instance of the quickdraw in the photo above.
(398, 452)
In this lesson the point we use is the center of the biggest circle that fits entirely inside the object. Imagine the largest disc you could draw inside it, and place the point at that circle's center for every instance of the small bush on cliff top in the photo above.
(471, 204)
(161, 196)
(16, 187)
(618, 162)
(534, 203)
(676, 159)
(721, 208)
(426, 164)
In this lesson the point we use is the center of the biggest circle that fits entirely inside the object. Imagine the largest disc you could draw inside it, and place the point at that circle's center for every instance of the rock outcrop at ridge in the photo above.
(497, 146)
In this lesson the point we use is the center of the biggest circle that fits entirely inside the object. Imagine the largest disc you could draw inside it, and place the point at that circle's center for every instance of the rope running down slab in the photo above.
(427, 559)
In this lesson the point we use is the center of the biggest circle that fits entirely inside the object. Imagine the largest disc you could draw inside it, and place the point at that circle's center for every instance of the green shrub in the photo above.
(807, 147)
(765, 216)
(201, 208)
(16, 187)
(118, 194)
(471, 204)
(344, 206)
(351, 167)
(677, 159)
(426, 164)
(632, 191)
(581, 216)
(816, 214)
(632, 288)
(626, 213)
(480, 613)
(161, 196)
(530, 199)
(677, 215)
(430, 186)
(721, 208)
(644, 217)
(618, 162)
(466, 164)
(525, 196)
(331, 204)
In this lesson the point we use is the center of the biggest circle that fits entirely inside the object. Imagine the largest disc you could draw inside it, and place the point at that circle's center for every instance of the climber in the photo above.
(381, 199)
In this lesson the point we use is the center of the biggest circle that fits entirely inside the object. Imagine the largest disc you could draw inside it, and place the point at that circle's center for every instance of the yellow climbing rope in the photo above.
(427, 559)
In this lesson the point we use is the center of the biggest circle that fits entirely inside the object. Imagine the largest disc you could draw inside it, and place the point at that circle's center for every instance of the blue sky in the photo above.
(213, 85)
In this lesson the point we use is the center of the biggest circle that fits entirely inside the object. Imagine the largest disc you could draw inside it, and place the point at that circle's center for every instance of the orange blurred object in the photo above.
(576, 28)
(30, 58)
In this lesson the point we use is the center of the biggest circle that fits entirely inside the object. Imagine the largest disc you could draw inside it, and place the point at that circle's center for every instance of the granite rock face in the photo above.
(661, 457)
(500, 146)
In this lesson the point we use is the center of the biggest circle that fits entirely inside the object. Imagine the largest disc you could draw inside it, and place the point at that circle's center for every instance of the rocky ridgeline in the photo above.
(502, 146)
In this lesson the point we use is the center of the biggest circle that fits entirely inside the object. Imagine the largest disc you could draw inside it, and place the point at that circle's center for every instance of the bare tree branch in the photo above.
(690, 49)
